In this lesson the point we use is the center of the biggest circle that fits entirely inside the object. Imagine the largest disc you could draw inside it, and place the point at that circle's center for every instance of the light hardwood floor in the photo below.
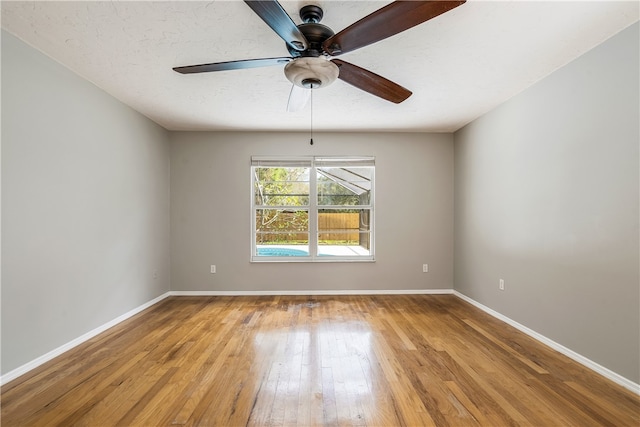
(315, 360)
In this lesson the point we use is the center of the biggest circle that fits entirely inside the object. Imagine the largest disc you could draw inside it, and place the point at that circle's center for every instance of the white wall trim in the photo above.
(11, 375)
(317, 292)
(605, 372)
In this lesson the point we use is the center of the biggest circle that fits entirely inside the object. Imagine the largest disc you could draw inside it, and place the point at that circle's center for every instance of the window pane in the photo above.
(280, 227)
(281, 186)
(344, 232)
(350, 250)
(345, 186)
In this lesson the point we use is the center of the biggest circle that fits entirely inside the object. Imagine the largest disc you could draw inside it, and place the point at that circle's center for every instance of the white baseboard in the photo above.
(605, 372)
(11, 375)
(317, 292)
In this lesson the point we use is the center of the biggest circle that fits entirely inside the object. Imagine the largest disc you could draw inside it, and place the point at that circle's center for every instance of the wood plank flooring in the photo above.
(405, 360)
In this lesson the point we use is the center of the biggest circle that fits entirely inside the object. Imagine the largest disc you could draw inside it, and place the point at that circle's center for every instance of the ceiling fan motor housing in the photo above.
(311, 69)
(315, 34)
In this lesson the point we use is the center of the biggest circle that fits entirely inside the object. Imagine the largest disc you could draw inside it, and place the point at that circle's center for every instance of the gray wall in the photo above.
(546, 197)
(210, 212)
(85, 206)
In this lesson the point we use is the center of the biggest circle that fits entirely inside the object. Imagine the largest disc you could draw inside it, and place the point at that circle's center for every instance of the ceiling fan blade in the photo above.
(298, 99)
(231, 65)
(371, 82)
(277, 18)
(392, 19)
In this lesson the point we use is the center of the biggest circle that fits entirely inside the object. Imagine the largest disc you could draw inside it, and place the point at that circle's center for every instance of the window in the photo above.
(312, 209)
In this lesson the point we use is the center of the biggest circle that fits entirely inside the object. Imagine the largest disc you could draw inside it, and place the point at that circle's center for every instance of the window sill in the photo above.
(267, 260)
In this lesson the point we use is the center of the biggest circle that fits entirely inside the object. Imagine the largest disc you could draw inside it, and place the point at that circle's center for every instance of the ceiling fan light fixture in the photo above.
(311, 72)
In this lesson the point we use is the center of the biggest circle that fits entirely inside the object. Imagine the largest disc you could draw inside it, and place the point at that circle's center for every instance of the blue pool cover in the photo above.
(281, 252)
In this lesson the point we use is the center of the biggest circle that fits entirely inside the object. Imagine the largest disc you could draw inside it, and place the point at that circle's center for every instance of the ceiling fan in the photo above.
(312, 46)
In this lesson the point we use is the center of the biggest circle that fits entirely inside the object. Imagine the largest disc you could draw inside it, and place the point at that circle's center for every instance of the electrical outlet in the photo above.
(501, 285)
(213, 269)
(425, 268)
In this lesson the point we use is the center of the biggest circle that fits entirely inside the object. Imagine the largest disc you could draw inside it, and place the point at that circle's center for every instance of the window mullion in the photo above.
(313, 213)
(359, 207)
(282, 207)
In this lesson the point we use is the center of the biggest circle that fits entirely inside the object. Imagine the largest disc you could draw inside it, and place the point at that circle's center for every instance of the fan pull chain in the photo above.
(311, 118)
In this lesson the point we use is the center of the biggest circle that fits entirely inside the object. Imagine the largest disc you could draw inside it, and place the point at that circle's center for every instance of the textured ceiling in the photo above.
(459, 65)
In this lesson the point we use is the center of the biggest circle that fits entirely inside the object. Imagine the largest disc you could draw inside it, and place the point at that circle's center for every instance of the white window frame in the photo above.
(312, 162)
